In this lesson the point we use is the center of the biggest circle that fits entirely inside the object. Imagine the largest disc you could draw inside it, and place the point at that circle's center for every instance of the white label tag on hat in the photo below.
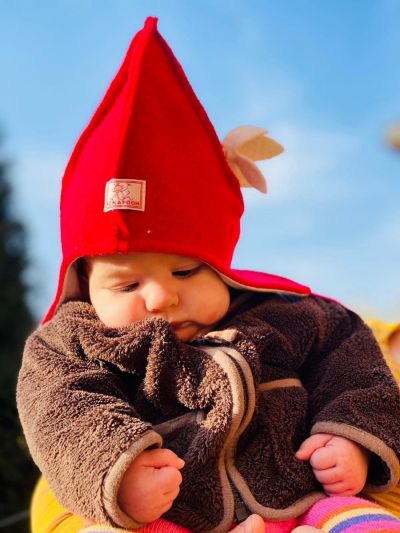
(125, 194)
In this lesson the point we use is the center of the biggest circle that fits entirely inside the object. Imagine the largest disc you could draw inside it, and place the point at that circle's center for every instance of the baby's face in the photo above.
(187, 293)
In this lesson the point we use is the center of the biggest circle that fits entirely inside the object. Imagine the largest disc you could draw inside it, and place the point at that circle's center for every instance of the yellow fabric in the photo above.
(101, 529)
(382, 331)
(48, 516)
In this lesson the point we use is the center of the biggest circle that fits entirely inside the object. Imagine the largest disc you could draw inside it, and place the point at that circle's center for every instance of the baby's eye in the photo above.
(187, 272)
(127, 288)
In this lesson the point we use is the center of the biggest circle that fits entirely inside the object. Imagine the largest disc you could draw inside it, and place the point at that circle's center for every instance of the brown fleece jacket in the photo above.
(234, 404)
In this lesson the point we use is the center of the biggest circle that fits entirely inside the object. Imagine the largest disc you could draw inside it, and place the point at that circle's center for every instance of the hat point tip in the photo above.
(151, 23)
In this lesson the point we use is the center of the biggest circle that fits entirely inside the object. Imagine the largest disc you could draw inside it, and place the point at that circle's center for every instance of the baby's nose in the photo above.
(159, 297)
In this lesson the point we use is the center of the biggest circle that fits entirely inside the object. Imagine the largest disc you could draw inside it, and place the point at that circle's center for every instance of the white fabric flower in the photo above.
(243, 146)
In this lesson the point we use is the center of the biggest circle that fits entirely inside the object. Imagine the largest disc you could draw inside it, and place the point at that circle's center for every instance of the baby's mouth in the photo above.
(187, 330)
(178, 325)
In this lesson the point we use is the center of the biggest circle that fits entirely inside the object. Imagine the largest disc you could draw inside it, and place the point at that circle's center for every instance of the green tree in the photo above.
(17, 472)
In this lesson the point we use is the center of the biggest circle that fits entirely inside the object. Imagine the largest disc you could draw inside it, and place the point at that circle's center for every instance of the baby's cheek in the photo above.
(211, 318)
(121, 315)
(216, 314)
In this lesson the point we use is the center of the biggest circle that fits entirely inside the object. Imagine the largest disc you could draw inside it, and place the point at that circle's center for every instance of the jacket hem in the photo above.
(271, 513)
(238, 400)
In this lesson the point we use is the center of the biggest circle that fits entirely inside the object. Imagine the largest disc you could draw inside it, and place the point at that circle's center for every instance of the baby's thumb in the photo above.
(308, 447)
(161, 457)
(252, 524)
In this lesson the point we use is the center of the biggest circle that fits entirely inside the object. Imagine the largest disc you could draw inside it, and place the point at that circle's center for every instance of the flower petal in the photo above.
(246, 144)
(260, 147)
(249, 174)
(241, 135)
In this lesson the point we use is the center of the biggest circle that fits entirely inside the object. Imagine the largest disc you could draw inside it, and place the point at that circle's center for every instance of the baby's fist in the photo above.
(150, 485)
(339, 464)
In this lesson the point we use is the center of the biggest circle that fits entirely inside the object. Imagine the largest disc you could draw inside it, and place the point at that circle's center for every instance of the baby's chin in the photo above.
(192, 331)
(186, 336)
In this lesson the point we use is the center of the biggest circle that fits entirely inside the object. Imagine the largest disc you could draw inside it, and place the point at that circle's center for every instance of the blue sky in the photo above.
(323, 78)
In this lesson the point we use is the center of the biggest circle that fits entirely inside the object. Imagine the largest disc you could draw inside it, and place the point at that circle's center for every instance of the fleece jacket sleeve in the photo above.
(80, 428)
(352, 391)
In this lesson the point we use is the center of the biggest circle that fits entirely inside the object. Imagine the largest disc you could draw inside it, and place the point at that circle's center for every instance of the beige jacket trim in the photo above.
(222, 356)
(280, 384)
(164, 428)
(266, 512)
(238, 402)
(250, 389)
(225, 335)
(114, 477)
(271, 513)
(371, 443)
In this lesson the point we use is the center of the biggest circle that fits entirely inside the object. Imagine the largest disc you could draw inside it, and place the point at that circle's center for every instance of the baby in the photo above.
(192, 298)
(165, 383)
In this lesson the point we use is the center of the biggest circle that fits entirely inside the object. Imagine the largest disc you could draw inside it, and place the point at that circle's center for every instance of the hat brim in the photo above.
(250, 280)
(261, 282)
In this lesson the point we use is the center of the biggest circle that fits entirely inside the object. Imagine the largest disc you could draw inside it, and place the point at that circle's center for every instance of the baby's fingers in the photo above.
(311, 444)
(252, 524)
(168, 499)
(168, 502)
(160, 457)
(167, 479)
(341, 488)
(328, 476)
(323, 458)
(171, 495)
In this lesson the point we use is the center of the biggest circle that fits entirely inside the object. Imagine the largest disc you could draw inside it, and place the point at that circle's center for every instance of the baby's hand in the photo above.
(339, 464)
(150, 485)
(252, 524)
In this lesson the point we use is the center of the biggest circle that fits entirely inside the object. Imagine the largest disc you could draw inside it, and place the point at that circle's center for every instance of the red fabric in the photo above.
(150, 126)
(262, 281)
(165, 526)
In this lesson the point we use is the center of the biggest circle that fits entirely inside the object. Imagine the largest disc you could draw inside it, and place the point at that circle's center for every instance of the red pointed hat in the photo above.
(149, 174)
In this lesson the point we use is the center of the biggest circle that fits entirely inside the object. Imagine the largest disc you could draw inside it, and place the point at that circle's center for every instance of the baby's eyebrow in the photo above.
(118, 274)
(186, 264)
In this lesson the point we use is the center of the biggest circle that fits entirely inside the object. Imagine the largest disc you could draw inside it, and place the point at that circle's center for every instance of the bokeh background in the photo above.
(323, 79)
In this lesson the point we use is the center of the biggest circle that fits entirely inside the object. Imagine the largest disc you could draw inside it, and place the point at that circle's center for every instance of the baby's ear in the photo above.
(243, 146)
(82, 271)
